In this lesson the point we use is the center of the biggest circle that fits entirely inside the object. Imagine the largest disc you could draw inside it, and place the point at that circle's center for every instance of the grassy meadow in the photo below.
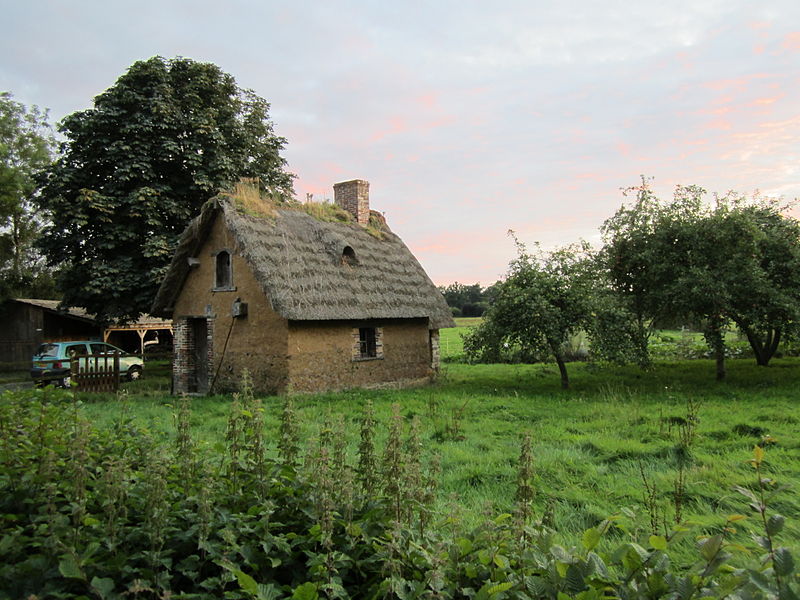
(641, 445)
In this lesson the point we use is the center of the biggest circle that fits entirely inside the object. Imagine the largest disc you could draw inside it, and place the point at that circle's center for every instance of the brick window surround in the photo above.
(367, 343)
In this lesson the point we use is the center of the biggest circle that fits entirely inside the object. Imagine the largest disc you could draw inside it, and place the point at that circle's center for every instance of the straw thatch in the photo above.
(313, 270)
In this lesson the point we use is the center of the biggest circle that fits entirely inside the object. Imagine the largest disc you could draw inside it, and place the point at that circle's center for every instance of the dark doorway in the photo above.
(198, 359)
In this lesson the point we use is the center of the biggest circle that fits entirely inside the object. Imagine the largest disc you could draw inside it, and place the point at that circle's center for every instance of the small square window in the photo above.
(367, 343)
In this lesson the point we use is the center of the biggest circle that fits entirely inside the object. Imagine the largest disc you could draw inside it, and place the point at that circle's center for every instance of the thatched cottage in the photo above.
(306, 302)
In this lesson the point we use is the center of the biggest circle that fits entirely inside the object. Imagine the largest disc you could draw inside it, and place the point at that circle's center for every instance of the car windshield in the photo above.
(47, 350)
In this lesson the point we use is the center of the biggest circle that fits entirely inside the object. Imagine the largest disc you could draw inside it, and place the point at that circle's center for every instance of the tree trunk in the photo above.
(715, 338)
(15, 236)
(562, 367)
(763, 350)
(642, 342)
(776, 340)
(719, 355)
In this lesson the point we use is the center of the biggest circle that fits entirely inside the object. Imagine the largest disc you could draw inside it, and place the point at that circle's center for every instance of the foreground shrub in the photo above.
(119, 514)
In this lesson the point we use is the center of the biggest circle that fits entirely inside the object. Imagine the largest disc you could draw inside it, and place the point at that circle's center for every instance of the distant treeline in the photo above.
(468, 300)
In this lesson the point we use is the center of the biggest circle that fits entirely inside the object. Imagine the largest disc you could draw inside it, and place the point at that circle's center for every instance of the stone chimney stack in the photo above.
(353, 196)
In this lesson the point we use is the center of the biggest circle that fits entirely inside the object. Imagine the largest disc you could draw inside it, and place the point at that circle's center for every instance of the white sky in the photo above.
(466, 120)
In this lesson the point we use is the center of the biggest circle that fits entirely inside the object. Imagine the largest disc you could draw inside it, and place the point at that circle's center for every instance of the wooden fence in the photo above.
(95, 372)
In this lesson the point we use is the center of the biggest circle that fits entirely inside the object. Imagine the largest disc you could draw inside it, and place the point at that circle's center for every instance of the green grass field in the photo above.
(591, 444)
(451, 342)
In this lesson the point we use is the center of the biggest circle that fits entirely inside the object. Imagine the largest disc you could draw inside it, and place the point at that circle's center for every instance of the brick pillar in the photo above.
(185, 371)
(181, 352)
(210, 352)
(434, 337)
(353, 196)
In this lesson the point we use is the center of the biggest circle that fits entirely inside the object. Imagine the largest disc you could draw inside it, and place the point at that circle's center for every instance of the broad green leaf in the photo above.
(305, 591)
(574, 579)
(501, 561)
(775, 524)
(69, 567)
(710, 546)
(500, 587)
(247, 583)
(783, 562)
(591, 537)
(103, 586)
(659, 542)
(562, 569)
(464, 546)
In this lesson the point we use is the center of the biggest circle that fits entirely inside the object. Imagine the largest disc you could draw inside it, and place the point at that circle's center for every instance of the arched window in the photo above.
(223, 278)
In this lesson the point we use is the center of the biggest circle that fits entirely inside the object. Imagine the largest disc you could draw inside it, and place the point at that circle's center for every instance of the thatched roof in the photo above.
(298, 260)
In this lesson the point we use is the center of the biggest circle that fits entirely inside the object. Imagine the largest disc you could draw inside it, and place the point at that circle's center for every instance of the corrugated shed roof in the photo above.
(80, 313)
(298, 260)
(52, 305)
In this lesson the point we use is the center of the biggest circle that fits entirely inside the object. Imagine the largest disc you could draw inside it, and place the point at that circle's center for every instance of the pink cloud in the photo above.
(766, 101)
(450, 243)
(429, 100)
(590, 176)
(698, 142)
(760, 25)
(791, 41)
(396, 125)
(722, 124)
(722, 110)
(738, 83)
(325, 174)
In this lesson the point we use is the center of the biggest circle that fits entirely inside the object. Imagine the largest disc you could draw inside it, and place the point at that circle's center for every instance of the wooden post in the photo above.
(142, 333)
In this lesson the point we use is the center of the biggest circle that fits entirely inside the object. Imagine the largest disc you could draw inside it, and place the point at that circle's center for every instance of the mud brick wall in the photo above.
(324, 355)
(257, 342)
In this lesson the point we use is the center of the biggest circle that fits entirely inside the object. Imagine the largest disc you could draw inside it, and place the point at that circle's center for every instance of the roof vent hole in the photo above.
(349, 257)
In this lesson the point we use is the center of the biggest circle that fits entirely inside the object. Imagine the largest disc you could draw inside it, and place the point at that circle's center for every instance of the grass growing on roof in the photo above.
(249, 200)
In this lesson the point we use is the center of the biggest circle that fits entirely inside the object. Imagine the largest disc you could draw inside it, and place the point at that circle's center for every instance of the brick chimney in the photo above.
(353, 196)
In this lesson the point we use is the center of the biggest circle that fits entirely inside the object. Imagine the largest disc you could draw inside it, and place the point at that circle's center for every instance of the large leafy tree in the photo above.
(730, 261)
(135, 168)
(764, 284)
(546, 299)
(26, 143)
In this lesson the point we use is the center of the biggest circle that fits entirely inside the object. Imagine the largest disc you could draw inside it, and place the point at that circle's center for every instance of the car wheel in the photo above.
(65, 382)
(134, 373)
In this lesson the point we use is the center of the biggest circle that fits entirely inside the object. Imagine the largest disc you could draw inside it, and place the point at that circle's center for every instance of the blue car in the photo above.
(51, 362)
